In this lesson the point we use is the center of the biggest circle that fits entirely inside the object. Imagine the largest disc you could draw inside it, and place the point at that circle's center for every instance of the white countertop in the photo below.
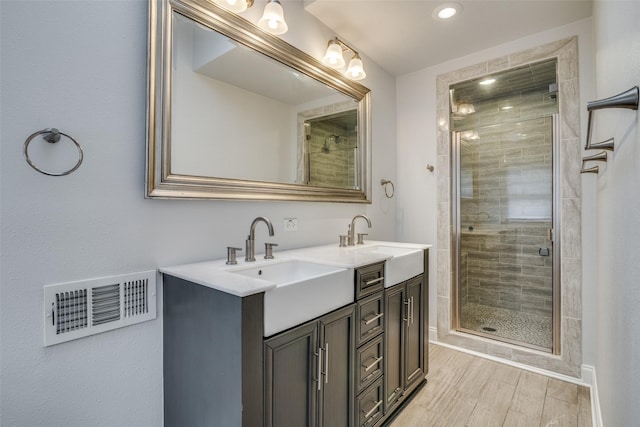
(216, 274)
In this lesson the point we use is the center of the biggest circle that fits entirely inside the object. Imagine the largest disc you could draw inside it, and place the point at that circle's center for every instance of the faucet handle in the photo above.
(268, 250)
(361, 238)
(231, 255)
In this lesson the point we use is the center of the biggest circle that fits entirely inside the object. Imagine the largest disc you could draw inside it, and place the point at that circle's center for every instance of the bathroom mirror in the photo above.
(237, 113)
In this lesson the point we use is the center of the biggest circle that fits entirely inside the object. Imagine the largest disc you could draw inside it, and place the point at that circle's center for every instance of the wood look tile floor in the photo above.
(465, 390)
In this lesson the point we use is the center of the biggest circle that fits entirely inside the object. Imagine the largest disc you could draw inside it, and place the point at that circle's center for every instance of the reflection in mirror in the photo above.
(331, 150)
(239, 123)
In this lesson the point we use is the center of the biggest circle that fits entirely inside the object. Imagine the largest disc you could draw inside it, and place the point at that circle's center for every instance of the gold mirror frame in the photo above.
(161, 183)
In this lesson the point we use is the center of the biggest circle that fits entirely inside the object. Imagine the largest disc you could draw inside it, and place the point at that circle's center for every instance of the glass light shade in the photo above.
(470, 135)
(466, 109)
(273, 18)
(333, 58)
(355, 71)
(235, 6)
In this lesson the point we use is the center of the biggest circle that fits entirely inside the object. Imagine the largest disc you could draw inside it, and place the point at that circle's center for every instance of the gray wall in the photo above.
(617, 48)
(80, 66)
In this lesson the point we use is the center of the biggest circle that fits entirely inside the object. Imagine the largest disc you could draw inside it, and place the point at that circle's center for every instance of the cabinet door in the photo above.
(394, 353)
(291, 377)
(414, 342)
(337, 347)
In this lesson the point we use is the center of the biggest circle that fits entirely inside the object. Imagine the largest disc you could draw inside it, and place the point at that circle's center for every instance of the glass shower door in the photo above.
(503, 222)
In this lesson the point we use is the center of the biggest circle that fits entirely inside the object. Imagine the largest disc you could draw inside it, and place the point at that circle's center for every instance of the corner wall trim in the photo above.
(589, 376)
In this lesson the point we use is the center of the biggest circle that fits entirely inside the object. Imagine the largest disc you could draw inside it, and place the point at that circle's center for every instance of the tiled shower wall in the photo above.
(506, 205)
(335, 165)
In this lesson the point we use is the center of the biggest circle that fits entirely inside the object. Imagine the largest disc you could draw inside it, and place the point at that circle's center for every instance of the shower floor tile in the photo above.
(528, 328)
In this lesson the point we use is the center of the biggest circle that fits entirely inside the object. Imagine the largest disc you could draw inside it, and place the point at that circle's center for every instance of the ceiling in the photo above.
(401, 36)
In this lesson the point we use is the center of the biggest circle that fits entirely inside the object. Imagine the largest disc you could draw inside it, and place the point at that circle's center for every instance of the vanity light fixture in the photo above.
(235, 6)
(334, 59)
(446, 11)
(273, 18)
(487, 81)
(355, 70)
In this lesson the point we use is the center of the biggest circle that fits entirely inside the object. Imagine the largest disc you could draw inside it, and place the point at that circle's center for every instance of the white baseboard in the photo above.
(433, 334)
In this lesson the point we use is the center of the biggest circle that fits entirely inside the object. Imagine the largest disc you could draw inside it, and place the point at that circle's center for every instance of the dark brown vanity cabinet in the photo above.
(212, 351)
(309, 375)
(405, 339)
(370, 312)
(353, 367)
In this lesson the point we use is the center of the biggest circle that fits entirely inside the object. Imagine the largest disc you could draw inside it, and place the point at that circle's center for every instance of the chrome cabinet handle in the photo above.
(407, 302)
(375, 407)
(319, 354)
(373, 319)
(375, 362)
(326, 363)
(374, 281)
(411, 301)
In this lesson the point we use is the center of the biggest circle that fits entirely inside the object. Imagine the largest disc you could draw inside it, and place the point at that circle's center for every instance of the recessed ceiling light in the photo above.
(486, 82)
(446, 11)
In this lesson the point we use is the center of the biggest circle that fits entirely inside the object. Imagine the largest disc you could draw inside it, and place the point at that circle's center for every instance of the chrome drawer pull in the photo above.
(375, 362)
(377, 405)
(374, 281)
(373, 319)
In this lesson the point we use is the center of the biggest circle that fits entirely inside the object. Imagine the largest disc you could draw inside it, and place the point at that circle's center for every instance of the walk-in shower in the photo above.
(504, 206)
(331, 150)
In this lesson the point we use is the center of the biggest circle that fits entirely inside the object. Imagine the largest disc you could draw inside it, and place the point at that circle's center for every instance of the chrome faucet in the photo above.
(352, 232)
(250, 252)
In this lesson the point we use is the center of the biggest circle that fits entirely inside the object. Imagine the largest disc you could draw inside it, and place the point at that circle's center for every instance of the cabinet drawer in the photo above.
(370, 317)
(369, 363)
(369, 280)
(369, 405)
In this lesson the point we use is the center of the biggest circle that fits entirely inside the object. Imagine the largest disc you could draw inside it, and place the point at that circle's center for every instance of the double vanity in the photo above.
(320, 336)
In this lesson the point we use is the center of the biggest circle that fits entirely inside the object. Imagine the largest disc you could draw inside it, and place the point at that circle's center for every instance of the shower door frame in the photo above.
(554, 235)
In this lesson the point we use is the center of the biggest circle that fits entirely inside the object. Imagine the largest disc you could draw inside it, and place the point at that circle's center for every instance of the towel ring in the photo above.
(384, 183)
(52, 136)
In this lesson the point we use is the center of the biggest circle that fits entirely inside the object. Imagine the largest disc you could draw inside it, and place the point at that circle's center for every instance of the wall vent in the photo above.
(79, 309)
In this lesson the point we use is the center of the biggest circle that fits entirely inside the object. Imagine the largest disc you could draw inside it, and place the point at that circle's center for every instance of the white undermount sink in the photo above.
(304, 290)
(403, 264)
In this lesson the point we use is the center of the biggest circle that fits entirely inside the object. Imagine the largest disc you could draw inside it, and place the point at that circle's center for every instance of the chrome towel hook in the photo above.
(600, 157)
(52, 135)
(627, 99)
